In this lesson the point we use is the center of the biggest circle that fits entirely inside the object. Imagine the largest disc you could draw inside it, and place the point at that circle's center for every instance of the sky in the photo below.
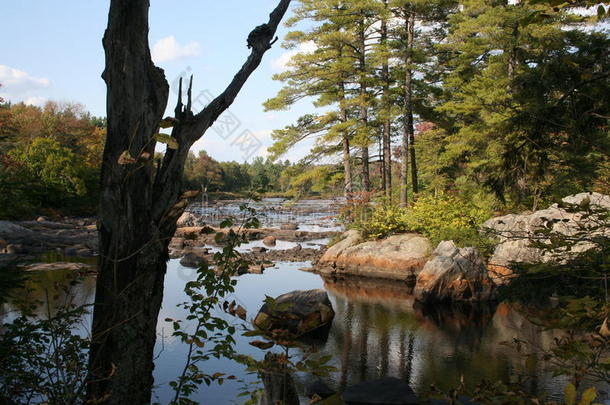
(52, 50)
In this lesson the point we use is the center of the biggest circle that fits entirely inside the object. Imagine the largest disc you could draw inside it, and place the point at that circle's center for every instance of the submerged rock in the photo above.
(398, 257)
(383, 391)
(279, 384)
(454, 275)
(297, 312)
(193, 260)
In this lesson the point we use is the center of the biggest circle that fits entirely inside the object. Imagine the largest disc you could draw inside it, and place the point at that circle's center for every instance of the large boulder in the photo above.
(298, 312)
(9, 229)
(454, 275)
(398, 257)
(515, 233)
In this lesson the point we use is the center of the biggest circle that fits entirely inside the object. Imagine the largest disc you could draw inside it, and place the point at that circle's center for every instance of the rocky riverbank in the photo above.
(452, 274)
(25, 241)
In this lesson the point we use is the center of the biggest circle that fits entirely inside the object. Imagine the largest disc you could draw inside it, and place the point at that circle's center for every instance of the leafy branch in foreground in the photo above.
(212, 335)
(44, 360)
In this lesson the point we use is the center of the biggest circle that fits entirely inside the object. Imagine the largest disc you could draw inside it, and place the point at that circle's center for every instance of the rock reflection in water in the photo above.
(379, 331)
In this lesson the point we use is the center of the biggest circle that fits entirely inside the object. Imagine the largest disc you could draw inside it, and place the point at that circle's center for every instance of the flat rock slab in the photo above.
(384, 391)
(59, 266)
(398, 257)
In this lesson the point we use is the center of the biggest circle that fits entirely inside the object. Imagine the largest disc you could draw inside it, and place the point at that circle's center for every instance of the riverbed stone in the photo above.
(60, 266)
(193, 260)
(383, 391)
(398, 257)
(269, 240)
(290, 226)
(297, 312)
(454, 275)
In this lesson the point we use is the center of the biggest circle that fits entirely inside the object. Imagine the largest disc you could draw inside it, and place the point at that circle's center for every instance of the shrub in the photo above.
(444, 217)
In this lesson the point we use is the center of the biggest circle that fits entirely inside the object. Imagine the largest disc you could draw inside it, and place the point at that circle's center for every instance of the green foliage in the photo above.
(56, 167)
(45, 360)
(444, 217)
(49, 159)
(213, 335)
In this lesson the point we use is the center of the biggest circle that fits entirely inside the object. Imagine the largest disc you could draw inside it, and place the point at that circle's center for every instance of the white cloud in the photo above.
(280, 64)
(36, 101)
(18, 85)
(15, 80)
(168, 49)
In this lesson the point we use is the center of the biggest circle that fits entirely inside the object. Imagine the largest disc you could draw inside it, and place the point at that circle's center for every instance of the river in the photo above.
(377, 331)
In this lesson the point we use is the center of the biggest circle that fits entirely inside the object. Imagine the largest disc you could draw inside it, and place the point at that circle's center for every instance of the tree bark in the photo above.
(408, 141)
(366, 180)
(347, 165)
(139, 204)
(385, 77)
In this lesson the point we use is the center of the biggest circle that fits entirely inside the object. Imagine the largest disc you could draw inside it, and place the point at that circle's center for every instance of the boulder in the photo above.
(269, 240)
(193, 260)
(454, 275)
(298, 312)
(398, 257)
(187, 219)
(41, 219)
(291, 226)
(259, 249)
(516, 231)
(386, 391)
(9, 229)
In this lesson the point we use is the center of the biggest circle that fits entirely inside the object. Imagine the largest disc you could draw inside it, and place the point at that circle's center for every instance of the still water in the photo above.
(377, 331)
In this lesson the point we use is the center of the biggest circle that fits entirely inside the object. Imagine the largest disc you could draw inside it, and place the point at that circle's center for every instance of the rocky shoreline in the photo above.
(445, 273)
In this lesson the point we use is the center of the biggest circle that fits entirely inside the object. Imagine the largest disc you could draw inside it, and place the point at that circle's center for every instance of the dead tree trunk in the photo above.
(139, 203)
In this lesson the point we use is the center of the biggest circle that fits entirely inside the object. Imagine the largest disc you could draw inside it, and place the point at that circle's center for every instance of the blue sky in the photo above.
(53, 51)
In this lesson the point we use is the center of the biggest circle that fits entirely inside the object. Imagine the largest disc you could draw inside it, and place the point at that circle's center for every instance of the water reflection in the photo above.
(51, 291)
(377, 331)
